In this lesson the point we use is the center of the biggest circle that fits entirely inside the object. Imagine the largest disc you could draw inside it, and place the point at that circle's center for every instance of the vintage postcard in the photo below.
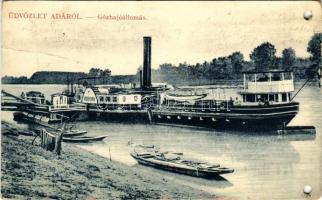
(161, 100)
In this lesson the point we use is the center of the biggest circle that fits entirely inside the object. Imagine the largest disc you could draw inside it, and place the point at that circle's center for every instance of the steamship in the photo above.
(264, 103)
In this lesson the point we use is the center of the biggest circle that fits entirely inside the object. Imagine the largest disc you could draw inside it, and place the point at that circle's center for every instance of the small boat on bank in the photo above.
(71, 137)
(46, 122)
(73, 132)
(175, 163)
(83, 139)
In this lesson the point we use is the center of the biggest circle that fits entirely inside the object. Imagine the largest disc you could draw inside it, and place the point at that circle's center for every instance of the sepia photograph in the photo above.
(161, 100)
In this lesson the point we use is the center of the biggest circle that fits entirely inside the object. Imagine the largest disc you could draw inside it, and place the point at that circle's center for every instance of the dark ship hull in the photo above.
(250, 118)
(236, 117)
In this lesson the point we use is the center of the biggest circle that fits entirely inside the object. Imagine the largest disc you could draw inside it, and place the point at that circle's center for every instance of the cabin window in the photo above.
(89, 98)
(289, 96)
(135, 98)
(262, 77)
(276, 97)
(250, 98)
(276, 77)
(259, 98)
(271, 97)
(101, 99)
(114, 99)
(124, 98)
(250, 78)
(287, 76)
(284, 97)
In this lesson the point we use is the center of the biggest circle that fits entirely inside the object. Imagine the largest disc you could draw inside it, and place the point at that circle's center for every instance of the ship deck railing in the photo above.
(68, 107)
(218, 106)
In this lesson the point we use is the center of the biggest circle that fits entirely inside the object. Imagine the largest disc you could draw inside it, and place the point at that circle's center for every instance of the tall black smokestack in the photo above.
(141, 83)
(146, 84)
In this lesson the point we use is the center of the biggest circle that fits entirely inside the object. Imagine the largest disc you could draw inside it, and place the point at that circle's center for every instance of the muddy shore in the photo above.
(29, 172)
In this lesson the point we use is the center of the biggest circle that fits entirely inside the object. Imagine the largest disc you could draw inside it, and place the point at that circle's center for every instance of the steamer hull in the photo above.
(124, 116)
(253, 118)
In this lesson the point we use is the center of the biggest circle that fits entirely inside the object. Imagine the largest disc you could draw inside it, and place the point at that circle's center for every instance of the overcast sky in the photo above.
(181, 32)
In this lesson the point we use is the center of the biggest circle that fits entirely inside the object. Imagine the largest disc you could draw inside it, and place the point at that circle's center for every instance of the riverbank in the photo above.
(28, 171)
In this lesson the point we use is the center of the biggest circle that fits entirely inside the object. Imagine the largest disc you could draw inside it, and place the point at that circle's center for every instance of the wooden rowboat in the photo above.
(83, 139)
(73, 133)
(174, 163)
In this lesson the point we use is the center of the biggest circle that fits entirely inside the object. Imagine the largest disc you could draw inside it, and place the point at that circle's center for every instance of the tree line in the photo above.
(218, 70)
(59, 77)
(229, 68)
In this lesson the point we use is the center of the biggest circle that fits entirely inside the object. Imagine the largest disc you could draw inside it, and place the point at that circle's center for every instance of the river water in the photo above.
(267, 166)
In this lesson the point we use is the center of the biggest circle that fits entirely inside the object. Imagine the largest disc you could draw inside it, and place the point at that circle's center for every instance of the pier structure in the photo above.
(12, 102)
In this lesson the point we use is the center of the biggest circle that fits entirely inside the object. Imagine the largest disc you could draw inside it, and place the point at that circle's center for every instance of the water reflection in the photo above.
(255, 158)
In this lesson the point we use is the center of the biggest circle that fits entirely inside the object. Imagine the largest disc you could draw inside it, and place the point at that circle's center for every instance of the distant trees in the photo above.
(94, 72)
(314, 47)
(183, 69)
(57, 77)
(99, 72)
(288, 58)
(23, 79)
(222, 68)
(263, 56)
(167, 68)
(237, 61)
(105, 74)
(14, 80)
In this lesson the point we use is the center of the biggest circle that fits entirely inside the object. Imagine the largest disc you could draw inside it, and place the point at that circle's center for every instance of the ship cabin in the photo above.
(267, 87)
(105, 99)
(59, 100)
